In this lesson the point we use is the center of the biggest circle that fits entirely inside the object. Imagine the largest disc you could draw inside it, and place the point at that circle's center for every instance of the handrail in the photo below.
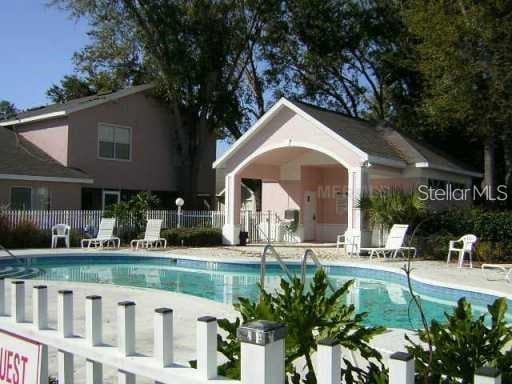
(270, 247)
(304, 262)
(11, 254)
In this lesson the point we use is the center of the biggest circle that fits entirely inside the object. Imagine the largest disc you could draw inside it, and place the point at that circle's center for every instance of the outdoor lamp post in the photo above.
(179, 203)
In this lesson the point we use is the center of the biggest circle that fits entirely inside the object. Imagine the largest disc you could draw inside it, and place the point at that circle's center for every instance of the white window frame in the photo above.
(109, 192)
(113, 126)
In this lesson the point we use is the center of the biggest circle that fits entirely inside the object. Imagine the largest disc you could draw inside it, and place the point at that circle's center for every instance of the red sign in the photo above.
(20, 359)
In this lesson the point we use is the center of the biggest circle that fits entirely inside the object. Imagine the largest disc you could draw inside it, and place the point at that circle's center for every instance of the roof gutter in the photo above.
(31, 119)
(84, 180)
(448, 169)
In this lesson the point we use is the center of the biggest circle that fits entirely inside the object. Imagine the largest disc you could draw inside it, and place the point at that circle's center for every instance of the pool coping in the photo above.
(62, 252)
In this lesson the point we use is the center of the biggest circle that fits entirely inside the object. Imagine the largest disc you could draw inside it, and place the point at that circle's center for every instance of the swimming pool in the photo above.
(383, 294)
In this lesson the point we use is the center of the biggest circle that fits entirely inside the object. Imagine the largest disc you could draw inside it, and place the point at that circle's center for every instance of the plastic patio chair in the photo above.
(151, 237)
(60, 231)
(349, 242)
(468, 246)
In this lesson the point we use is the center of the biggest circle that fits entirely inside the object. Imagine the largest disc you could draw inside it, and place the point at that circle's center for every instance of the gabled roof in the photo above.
(64, 109)
(383, 146)
(21, 160)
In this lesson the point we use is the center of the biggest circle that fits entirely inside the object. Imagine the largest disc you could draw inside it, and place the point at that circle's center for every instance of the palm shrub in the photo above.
(463, 344)
(311, 314)
(390, 206)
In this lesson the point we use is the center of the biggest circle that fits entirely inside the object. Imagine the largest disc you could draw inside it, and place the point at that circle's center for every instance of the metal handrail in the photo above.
(11, 254)
(270, 247)
(304, 262)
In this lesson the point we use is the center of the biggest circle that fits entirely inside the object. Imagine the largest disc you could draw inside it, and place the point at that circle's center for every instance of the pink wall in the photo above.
(62, 195)
(51, 136)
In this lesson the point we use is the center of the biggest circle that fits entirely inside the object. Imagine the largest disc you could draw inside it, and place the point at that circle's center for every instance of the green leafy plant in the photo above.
(390, 206)
(463, 344)
(311, 314)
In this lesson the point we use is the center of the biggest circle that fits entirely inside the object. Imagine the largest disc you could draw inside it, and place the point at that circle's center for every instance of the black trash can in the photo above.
(243, 236)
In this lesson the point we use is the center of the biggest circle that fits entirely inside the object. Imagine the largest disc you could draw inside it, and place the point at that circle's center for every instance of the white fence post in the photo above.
(65, 313)
(65, 367)
(43, 379)
(262, 352)
(126, 327)
(328, 357)
(18, 301)
(163, 337)
(40, 306)
(93, 372)
(401, 368)
(93, 320)
(2, 297)
(124, 377)
(487, 375)
(206, 347)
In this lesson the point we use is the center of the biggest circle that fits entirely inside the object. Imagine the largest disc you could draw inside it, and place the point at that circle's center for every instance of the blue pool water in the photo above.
(380, 293)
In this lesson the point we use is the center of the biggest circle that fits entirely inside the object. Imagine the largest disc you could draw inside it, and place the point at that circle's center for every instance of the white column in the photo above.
(65, 367)
(40, 306)
(124, 377)
(487, 375)
(93, 372)
(65, 313)
(18, 301)
(206, 346)
(126, 327)
(328, 357)
(93, 320)
(401, 368)
(43, 378)
(262, 352)
(232, 195)
(163, 337)
(357, 187)
(2, 297)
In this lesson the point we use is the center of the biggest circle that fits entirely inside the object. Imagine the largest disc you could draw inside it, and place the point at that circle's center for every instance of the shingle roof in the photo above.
(76, 104)
(383, 142)
(20, 157)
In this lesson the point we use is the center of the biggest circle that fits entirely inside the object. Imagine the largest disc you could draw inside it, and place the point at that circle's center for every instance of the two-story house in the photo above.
(99, 150)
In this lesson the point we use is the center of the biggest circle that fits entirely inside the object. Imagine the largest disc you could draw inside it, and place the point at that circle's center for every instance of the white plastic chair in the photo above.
(394, 243)
(468, 246)
(60, 231)
(151, 237)
(105, 235)
(349, 241)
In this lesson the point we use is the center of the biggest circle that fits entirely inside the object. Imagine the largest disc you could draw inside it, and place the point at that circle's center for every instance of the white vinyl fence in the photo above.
(260, 225)
(262, 350)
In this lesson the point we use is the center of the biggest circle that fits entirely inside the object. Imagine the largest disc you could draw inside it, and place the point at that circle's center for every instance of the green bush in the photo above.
(26, 235)
(193, 237)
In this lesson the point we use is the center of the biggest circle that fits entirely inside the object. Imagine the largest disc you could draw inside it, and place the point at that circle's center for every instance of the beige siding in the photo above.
(62, 195)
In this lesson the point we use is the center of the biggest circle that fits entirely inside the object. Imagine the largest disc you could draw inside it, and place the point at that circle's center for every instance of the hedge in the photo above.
(193, 237)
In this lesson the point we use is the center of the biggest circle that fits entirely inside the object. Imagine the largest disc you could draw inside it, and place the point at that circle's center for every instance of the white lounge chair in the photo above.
(60, 231)
(349, 241)
(151, 237)
(505, 268)
(105, 235)
(394, 243)
(468, 245)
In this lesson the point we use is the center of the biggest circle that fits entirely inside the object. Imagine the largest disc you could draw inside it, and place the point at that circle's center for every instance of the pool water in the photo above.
(382, 294)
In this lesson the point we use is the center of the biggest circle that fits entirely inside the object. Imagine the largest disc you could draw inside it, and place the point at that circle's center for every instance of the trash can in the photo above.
(243, 236)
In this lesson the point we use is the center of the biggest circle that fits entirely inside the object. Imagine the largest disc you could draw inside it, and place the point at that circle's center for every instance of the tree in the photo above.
(71, 87)
(7, 109)
(464, 57)
(198, 52)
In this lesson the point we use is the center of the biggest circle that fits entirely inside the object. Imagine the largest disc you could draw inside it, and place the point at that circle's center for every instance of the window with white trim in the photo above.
(114, 142)
(26, 198)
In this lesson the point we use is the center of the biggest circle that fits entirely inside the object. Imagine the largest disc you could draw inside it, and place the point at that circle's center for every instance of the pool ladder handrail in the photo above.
(17, 259)
(304, 263)
(270, 247)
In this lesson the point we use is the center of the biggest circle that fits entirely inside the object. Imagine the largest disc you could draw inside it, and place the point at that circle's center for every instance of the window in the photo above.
(114, 142)
(26, 198)
(110, 198)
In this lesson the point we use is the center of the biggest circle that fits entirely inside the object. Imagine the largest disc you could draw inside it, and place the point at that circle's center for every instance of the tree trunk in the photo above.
(507, 153)
(489, 180)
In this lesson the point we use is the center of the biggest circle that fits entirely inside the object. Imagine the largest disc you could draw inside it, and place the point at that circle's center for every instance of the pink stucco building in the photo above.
(120, 143)
(320, 162)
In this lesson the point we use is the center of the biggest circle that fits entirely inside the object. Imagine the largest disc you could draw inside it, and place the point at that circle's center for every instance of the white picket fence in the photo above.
(259, 225)
(262, 345)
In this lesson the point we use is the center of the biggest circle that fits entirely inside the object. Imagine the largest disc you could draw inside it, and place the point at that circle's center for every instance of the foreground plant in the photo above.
(311, 314)
(463, 344)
